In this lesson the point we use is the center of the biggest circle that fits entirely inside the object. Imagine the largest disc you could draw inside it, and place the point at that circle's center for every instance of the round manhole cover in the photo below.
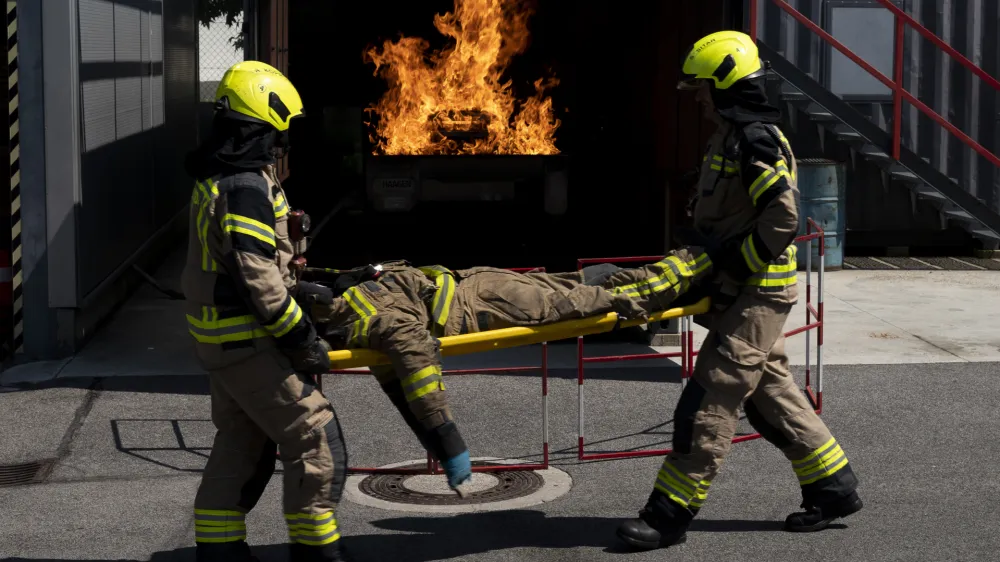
(430, 493)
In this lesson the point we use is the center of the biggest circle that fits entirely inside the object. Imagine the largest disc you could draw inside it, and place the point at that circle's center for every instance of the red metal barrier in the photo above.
(432, 466)
(688, 353)
(902, 19)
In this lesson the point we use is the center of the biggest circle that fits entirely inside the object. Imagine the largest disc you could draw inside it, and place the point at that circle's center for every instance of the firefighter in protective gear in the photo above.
(746, 214)
(402, 311)
(252, 336)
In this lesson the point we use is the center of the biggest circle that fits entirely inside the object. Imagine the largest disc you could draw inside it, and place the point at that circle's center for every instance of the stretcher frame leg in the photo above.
(688, 353)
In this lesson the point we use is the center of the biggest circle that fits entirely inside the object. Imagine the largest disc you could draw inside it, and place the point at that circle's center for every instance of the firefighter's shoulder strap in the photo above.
(754, 129)
(243, 180)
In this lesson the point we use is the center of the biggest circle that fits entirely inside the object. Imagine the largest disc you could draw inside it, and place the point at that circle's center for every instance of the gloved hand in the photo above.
(459, 472)
(311, 293)
(628, 309)
(312, 359)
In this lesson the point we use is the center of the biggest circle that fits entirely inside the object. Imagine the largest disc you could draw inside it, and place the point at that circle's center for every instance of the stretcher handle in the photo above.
(479, 342)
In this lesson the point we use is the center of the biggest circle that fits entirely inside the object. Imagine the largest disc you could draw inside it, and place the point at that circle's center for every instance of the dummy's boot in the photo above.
(661, 523)
(446, 444)
(223, 552)
(459, 471)
(333, 552)
(818, 516)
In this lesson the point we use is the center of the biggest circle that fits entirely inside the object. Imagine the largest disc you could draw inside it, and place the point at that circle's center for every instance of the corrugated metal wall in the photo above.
(138, 80)
(970, 26)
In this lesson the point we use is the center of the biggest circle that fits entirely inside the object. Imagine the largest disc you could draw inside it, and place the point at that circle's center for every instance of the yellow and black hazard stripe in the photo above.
(14, 148)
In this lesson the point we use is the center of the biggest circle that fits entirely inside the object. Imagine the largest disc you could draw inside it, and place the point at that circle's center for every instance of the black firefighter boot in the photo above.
(332, 552)
(223, 552)
(818, 515)
(661, 523)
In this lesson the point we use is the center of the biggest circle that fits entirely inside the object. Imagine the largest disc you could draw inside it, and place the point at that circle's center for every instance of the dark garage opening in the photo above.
(625, 138)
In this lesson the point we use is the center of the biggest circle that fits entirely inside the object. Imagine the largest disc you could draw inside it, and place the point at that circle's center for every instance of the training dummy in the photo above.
(401, 311)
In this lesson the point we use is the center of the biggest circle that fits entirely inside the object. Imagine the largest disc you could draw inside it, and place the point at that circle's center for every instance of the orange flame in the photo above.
(453, 101)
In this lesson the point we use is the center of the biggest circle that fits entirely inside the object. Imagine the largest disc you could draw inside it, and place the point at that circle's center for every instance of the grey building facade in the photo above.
(107, 94)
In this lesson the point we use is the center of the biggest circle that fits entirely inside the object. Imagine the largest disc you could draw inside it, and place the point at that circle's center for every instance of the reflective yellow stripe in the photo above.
(766, 179)
(441, 306)
(720, 163)
(219, 526)
(312, 529)
(821, 450)
(201, 224)
(287, 321)
(821, 463)
(700, 495)
(280, 207)
(219, 513)
(249, 227)
(675, 273)
(778, 275)
(675, 484)
(700, 264)
(202, 220)
(750, 255)
(364, 309)
(209, 329)
(422, 382)
(787, 145)
(669, 278)
(830, 457)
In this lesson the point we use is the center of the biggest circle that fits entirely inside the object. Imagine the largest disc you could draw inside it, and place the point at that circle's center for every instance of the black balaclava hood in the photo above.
(233, 146)
(746, 102)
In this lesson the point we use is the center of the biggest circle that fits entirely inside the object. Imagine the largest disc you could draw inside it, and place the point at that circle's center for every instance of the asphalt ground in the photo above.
(130, 451)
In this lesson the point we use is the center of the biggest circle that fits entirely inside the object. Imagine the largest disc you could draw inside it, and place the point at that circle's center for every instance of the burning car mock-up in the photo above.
(448, 129)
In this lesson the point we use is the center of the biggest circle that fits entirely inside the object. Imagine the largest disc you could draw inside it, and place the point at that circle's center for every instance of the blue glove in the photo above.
(458, 469)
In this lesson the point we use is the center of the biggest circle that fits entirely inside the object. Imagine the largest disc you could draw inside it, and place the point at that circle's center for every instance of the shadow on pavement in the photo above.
(466, 535)
(198, 384)
(429, 539)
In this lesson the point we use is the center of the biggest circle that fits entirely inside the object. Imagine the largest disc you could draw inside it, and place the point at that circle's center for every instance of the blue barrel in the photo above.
(822, 188)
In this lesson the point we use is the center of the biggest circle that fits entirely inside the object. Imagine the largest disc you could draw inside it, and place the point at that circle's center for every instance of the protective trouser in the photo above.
(743, 362)
(428, 416)
(491, 299)
(397, 322)
(260, 405)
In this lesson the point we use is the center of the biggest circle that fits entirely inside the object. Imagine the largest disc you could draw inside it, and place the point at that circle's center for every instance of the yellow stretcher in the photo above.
(514, 337)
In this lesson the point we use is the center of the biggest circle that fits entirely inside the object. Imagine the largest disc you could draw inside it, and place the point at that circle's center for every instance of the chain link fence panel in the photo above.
(220, 46)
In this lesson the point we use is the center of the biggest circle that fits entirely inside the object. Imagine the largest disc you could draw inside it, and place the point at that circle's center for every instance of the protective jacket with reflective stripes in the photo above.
(239, 288)
(747, 201)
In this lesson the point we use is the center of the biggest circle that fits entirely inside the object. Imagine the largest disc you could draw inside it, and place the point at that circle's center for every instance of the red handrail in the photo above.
(899, 92)
(907, 18)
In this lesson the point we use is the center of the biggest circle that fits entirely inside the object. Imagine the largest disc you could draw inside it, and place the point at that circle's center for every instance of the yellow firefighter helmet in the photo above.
(722, 58)
(256, 91)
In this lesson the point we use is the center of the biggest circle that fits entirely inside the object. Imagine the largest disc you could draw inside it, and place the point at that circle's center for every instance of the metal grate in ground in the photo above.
(865, 263)
(499, 486)
(906, 263)
(24, 473)
(922, 264)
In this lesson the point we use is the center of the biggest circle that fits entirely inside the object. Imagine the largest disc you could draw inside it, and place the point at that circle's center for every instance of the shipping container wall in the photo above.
(138, 81)
(865, 27)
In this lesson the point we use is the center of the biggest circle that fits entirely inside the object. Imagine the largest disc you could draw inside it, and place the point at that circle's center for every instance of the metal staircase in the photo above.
(800, 92)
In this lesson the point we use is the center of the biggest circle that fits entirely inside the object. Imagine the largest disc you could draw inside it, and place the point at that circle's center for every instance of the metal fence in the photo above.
(866, 27)
(219, 47)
